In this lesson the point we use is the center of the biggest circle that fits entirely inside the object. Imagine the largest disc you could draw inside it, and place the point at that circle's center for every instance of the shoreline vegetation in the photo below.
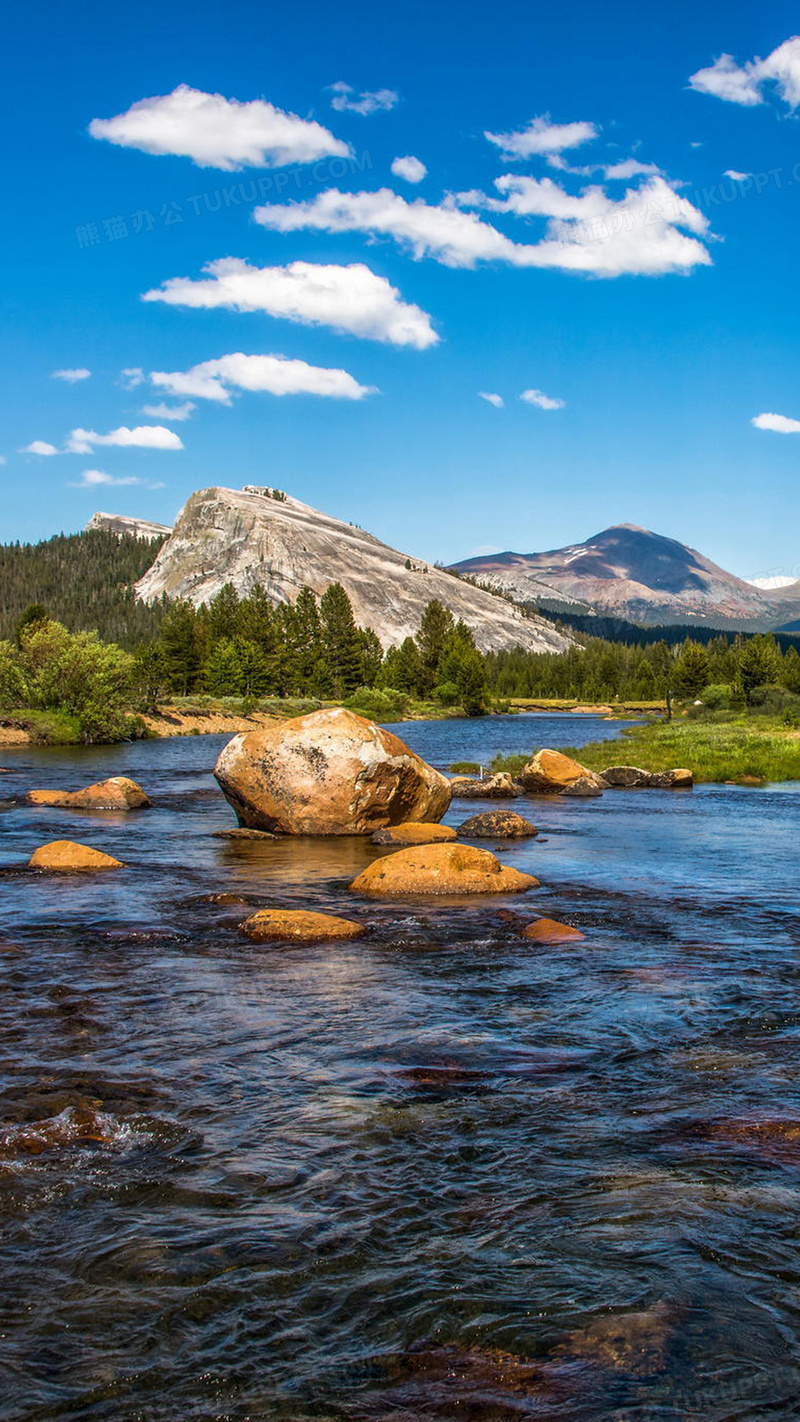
(243, 662)
(718, 748)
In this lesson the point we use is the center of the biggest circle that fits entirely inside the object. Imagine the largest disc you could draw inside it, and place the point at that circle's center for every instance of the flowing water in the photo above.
(440, 1172)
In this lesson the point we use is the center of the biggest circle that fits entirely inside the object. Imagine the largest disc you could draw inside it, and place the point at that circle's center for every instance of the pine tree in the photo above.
(222, 673)
(340, 639)
(179, 641)
(436, 624)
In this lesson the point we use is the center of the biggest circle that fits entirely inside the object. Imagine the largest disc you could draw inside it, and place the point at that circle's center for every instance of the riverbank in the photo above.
(746, 750)
(201, 716)
(619, 710)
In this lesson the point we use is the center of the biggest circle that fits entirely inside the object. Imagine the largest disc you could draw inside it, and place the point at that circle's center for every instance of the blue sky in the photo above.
(650, 317)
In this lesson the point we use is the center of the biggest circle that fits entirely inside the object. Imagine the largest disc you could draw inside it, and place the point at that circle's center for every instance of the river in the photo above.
(439, 1172)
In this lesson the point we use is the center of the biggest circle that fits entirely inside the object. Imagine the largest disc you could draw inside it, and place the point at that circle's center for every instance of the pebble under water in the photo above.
(440, 1172)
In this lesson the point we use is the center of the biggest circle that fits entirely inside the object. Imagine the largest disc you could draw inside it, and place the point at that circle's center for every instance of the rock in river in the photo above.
(63, 856)
(412, 833)
(118, 793)
(298, 926)
(549, 930)
(442, 869)
(492, 787)
(497, 824)
(551, 773)
(630, 777)
(328, 773)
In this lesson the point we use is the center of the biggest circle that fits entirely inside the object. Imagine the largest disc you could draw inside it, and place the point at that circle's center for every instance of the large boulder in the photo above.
(497, 824)
(118, 793)
(63, 856)
(328, 773)
(298, 926)
(410, 833)
(492, 787)
(442, 869)
(552, 773)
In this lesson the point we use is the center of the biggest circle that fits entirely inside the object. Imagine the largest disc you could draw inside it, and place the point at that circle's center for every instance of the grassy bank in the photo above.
(207, 715)
(748, 747)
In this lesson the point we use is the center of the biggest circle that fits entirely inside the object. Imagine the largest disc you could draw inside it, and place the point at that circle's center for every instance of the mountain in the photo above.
(632, 573)
(123, 526)
(254, 535)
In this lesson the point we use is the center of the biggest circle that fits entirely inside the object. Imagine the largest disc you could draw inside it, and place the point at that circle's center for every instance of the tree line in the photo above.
(85, 579)
(733, 667)
(252, 647)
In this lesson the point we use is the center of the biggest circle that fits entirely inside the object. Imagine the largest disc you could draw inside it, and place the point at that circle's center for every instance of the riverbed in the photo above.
(439, 1172)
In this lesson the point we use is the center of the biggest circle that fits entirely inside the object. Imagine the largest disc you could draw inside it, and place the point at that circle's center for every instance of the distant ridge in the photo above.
(629, 572)
(124, 526)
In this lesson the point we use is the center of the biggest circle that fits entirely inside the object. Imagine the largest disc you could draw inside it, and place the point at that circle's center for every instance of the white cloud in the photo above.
(542, 137)
(169, 412)
(781, 424)
(142, 437)
(216, 132)
(346, 100)
(496, 400)
(410, 168)
(737, 177)
(3, 459)
(71, 376)
(132, 376)
(351, 299)
(630, 168)
(544, 402)
(746, 83)
(93, 478)
(276, 375)
(638, 233)
(484, 550)
(39, 446)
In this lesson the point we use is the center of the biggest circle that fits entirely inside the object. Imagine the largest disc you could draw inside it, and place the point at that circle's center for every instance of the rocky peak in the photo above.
(250, 537)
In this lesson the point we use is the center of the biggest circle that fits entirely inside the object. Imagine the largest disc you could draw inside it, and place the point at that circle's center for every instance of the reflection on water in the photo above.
(439, 1172)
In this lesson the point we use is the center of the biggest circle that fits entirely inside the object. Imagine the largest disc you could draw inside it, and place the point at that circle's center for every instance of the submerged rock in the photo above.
(450, 1381)
(442, 869)
(62, 855)
(497, 824)
(244, 834)
(631, 777)
(77, 1125)
(298, 926)
(329, 773)
(492, 787)
(118, 793)
(551, 773)
(549, 930)
(776, 1138)
(636, 1343)
(412, 833)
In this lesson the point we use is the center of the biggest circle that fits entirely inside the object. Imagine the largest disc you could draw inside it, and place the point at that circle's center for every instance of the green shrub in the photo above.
(465, 767)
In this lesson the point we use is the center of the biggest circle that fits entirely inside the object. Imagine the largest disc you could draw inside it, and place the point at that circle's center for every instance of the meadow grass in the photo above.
(748, 747)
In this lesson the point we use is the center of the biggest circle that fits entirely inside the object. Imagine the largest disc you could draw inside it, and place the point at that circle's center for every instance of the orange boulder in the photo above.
(62, 855)
(413, 833)
(442, 869)
(298, 926)
(549, 930)
(118, 793)
(551, 773)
